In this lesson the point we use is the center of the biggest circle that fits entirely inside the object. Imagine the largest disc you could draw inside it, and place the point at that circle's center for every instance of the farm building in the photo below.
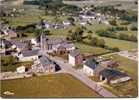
(113, 76)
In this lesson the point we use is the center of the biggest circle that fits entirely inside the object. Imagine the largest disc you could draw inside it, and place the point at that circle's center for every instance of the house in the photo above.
(83, 23)
(92, 68)
(9, 33)
(55, 44)
(87, 17)
(75, 58)
(44, 64)
(21, 69)
(53, 41)
(113, 76)
(28, 55)
(58, 26)
(19, 46)
(64, 47)
(66, 23)
(5, 43)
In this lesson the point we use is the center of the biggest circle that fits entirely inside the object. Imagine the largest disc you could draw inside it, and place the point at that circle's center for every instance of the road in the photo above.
(67, 68)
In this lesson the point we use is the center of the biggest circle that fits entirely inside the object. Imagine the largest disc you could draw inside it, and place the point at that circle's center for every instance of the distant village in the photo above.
(33, 50)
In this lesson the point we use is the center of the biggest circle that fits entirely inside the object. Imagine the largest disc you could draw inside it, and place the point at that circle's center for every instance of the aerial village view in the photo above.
(68, 48)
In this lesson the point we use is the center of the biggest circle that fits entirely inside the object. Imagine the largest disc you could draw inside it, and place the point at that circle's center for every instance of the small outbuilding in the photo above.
(21, 69)
(113, 76)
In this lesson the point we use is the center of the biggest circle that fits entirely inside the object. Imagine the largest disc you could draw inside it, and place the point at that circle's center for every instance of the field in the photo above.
(121, 44)
(125, 4)
(29, 15)
(60, 85)
(90, 50)
(130, 88)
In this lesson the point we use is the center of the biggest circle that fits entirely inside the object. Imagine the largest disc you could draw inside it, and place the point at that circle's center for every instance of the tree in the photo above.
(116, 49)
(113, 22)
(8, 60)
(100, 43)
(71, 19)
(76, 34)
(89, 36)
(133, 38)
(94, 41)
(133, 28)
(123, 36)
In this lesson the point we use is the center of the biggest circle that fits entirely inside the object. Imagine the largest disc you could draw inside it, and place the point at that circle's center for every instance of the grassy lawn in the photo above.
(59, 85)
(129, 88)
(90, 50)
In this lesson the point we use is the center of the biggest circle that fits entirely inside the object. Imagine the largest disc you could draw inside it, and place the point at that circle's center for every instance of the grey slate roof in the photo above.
(45, 61)
(112, 74)
(55, 41)
(91, 63)
(19, 44)
(11, 32)
(5, 42)
(28, 53)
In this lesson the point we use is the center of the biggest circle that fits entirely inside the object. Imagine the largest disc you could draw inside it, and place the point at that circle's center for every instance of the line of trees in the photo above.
(94, 41)
(76, 35)
(121, 36)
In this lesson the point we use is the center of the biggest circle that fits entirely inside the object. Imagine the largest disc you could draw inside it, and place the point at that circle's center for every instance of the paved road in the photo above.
(67, 68)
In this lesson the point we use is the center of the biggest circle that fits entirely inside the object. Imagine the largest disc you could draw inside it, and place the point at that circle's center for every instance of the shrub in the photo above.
(113, 22)
(133, 28)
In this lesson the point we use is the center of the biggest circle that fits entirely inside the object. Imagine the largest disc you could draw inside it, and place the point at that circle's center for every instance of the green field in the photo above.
(121, 44)
(30, 14)
(59, 85)
(90, 50)
(130, 88)
(125, 4)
